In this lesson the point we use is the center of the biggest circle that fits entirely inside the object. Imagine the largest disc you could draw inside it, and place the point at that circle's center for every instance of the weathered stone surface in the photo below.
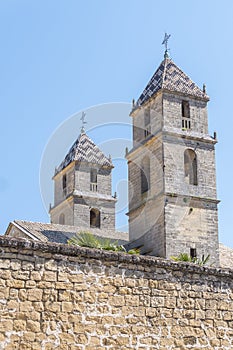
(82, 193)
(173, 214)
(90, 299)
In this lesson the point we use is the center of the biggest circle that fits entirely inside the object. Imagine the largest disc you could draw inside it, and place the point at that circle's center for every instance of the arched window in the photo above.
(145, 175)
(190, 166)
(62, 219)
(95, 218)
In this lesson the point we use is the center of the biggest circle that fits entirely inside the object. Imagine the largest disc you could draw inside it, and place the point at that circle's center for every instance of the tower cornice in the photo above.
(162, 91)
(180, 135)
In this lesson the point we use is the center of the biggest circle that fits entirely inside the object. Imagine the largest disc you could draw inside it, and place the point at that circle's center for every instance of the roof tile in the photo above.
(62, 233)
(170, 77)
(84, 150)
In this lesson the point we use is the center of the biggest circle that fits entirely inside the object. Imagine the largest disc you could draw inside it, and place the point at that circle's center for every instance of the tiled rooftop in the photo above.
(84, 150)
(61, 233)
(170, 77)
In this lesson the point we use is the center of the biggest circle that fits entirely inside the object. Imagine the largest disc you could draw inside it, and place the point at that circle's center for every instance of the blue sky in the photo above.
(61, 57)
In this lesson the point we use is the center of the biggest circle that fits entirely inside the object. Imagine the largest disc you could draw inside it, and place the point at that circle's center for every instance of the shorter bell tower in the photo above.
(82, 188)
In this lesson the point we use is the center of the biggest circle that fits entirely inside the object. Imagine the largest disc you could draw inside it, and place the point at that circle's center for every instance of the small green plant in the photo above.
(134, 251)
(182, 257)
(185, 257)
(87, 239)
(84, 239)
(203, 260)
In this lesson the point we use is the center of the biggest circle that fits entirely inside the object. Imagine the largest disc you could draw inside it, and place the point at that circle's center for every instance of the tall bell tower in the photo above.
(171, 167)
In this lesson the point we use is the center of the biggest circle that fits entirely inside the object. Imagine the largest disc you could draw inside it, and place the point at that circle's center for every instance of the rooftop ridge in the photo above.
(164, 71)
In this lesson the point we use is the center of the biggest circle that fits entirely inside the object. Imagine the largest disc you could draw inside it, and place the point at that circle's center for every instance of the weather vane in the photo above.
(165, 43)
(83, 121)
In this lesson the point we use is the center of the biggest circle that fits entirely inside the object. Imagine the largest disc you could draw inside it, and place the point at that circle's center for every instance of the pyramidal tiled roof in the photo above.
(84, 150)
(170, 77)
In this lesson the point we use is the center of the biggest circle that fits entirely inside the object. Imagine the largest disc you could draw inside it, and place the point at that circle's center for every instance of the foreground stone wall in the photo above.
(60, 297)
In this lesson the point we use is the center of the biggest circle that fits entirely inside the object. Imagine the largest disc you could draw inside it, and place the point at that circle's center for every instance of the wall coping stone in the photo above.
(59, 250)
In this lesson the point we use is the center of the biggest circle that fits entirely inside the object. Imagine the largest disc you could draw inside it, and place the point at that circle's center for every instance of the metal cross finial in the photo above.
(83, 121)
(165, 42)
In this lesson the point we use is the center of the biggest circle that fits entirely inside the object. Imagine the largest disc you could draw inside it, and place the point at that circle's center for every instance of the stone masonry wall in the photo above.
(189, 226)
(174, 148)
(82, 212)
(59, 194)
(173, 116)
(66, 208)
(60, 297)
(82, 179)
(144, 209)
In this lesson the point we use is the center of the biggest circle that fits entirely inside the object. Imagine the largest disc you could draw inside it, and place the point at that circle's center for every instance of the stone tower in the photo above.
(172, 183)
(82, 188)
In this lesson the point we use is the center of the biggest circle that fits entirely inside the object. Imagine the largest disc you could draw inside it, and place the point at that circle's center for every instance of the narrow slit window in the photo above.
(145, 175)
(193, 252)
(185, 110)
(64, 184)
(147, 126)
(93, 180)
